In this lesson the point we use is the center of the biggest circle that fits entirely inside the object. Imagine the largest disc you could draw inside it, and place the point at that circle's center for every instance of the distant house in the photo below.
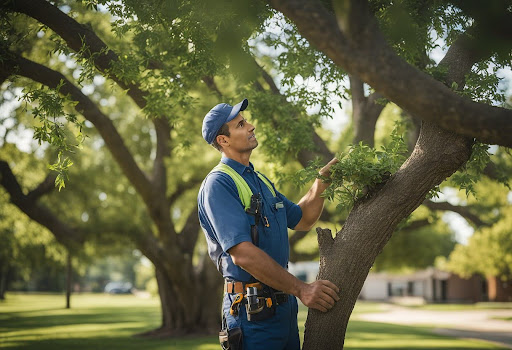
(430, 285)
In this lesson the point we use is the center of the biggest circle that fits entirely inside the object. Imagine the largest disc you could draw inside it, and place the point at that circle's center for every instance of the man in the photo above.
(241, 260)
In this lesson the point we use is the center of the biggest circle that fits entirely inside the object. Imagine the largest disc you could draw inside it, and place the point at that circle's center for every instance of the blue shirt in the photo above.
(225, 223)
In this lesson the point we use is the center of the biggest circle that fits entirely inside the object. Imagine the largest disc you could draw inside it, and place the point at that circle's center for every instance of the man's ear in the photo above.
(223, 140)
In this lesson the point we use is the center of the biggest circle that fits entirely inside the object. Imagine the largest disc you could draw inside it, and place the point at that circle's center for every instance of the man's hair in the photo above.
(224, 130)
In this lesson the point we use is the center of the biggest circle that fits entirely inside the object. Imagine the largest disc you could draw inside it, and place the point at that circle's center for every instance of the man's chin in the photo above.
(253, 146)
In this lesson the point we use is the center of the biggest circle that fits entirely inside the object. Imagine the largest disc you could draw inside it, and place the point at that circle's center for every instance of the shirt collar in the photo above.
(238, 167)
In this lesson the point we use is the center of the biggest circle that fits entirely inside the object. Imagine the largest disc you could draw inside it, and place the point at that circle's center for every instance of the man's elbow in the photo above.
(240, 255)
(238, 260)
(304, 225)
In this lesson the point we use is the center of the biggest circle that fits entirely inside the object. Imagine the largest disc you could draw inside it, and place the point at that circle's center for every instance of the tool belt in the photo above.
(259, 299)
(234, 287)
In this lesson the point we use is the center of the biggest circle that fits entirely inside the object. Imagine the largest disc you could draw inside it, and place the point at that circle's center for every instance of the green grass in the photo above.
(96, 321)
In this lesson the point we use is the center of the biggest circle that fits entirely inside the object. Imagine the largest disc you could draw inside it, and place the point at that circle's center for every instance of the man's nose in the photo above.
(251, 127)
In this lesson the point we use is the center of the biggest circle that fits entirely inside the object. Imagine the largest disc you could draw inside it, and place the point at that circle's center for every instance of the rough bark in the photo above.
(353, 41)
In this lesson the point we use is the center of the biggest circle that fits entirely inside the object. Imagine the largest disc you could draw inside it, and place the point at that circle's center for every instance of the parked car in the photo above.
(118, 288)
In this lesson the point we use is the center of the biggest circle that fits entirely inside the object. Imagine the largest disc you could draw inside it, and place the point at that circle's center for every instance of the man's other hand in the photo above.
(326, 170)
(319, 295)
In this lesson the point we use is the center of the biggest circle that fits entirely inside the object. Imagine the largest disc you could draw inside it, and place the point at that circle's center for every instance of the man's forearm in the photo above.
(320, 295)
(265, 269)
(312, 205)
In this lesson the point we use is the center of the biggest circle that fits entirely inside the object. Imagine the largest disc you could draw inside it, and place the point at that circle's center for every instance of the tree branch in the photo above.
(46, 186)
(366, 55)
(76, 35)
(416, 224)
(210, 83)
(190, 232)
(494, 20)
(464, 211)
(305, 155)
(63, 233)
(163, 151)
(365, 112)
(182, 187)
(91, 112)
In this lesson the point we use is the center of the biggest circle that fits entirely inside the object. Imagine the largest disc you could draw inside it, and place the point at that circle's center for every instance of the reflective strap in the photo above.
(244, 191)
(265, 180)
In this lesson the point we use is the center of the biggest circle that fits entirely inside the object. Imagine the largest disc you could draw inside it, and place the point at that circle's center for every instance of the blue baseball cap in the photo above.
(218, 116)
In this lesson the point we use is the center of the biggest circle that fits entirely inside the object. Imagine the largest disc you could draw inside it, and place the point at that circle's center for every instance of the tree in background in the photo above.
(154, 180)
(29, 258)
(488, 251)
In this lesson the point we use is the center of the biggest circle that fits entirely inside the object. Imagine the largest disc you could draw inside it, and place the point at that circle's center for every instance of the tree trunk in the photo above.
(69, 277)
(4, 271)
(346, 259)
(202, 316)
(365, 112)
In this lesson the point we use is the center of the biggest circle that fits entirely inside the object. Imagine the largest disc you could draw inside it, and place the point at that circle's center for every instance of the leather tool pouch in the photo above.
(231, 339)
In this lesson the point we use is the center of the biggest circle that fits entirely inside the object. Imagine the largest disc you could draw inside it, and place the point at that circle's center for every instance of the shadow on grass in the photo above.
(92, 328)
(113, 343)
(57, 317)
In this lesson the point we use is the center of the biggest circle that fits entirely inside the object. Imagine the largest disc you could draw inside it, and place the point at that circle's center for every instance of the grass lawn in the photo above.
(97, 321)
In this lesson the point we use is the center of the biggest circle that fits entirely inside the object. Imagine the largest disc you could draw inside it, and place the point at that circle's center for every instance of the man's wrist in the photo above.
(298, 288)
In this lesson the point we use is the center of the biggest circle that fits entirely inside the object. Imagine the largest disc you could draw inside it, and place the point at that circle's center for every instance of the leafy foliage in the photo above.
(416, 248)
(473, 169)
(489, 251)
(307, 76)
(360, 170)
(49, 111)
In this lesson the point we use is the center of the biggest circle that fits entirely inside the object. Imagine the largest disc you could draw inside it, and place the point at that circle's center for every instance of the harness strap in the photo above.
(244, 191)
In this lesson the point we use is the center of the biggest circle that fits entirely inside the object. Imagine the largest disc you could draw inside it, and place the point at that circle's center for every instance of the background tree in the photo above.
(488, 250)
(161, 83)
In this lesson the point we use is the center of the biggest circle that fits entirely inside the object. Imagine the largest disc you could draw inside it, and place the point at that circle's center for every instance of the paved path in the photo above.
(477, 324)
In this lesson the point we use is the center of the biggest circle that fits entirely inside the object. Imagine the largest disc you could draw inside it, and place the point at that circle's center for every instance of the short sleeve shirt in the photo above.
(225, 223)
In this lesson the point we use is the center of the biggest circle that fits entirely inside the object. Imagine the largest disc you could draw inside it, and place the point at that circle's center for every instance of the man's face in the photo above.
(241, 135)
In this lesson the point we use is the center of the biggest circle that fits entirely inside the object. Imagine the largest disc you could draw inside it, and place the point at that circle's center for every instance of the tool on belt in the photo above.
(259, 299)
